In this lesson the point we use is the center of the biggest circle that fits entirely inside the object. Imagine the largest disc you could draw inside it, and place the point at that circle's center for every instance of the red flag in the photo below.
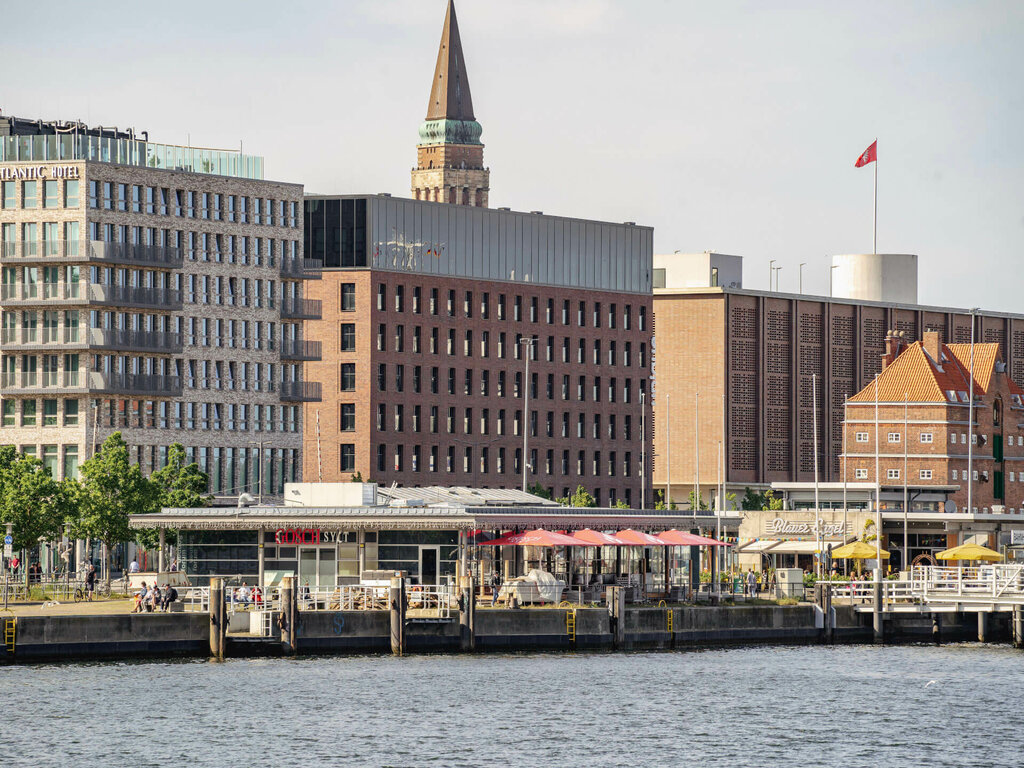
(870, 155)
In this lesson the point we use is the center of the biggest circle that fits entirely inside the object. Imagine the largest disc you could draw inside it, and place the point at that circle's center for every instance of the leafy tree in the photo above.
(620, 504)
(178, 485)
(111, 489)
(539, 490)
(754, 501)
(579, 498)
(30, 499)
(659, 500)
(696, 503)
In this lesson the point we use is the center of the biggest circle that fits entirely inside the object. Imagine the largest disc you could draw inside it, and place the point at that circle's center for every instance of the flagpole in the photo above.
(874, 214)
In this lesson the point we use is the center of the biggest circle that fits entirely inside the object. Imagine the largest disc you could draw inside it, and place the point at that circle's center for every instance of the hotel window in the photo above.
(925, 474)
(451, 303)
(501, 306)
(416, 297)
(467, 304)
(29, 194)
(381, 460)
(382, 297)
(860, 474)
(485, 306)
(51, 194)
(1012, 478)
(954, 475)
(975, 473)
(517, 310)
(49, 413)
(399, 298)
(348, 457)
(892, 474)
(565, 311)
(348, 417)
(533, 309)
(348, 377)
(10, 196)
(926, 437)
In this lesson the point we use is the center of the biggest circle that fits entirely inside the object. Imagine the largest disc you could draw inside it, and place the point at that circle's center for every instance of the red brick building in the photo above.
(924, 437)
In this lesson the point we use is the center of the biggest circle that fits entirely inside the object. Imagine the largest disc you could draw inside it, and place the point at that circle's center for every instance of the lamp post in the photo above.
(830, 271)
(527, 344)
(817, 505)
(970, 428)
(771, 272)
(800, 276)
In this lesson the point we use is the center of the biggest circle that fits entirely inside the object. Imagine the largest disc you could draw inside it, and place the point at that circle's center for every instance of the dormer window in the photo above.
(963, 396)
(951, 394)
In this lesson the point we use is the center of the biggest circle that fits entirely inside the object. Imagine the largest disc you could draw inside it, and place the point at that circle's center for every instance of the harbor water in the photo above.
(953, 705)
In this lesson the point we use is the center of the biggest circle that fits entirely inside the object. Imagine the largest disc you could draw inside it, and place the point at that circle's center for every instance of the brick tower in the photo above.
(450, 157)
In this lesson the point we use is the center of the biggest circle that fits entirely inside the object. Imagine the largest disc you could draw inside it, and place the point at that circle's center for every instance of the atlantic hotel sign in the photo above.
(35, 172)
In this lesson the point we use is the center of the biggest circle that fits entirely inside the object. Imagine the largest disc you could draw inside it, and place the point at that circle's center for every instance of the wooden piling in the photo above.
(616, 599)
(1018, 628)
(397, 605)
(467, 616)
(982, 627)
(218, 618)
(289, 615)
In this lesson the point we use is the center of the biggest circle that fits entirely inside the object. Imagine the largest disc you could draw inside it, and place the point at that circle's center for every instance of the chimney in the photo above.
(933, 346)
(893, 343)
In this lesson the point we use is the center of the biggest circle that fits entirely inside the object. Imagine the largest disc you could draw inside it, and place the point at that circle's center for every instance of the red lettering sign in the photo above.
(297, 536)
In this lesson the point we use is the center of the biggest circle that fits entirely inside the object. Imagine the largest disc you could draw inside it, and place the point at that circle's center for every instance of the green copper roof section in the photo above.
(450, 132)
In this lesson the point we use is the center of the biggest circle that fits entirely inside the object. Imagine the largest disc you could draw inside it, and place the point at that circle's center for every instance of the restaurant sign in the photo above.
(307, 536)
(780, 526)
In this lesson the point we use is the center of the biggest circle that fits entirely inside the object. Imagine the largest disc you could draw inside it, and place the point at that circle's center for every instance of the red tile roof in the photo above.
(915, 376)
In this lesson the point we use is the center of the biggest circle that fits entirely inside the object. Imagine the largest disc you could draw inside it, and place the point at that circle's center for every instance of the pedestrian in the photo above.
(495, 587)
(90, 580)
(243, 594)
(752, 582)
(133, 566)
(170, 595)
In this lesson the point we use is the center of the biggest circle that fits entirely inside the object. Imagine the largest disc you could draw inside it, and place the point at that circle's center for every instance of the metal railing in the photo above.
(301, 391)
(135, 296)
(170, 257)
(166, 342)
(1003, 582)
(309, 269)
(301, 309)
(135, 384)
(345, 597)
(298, 349)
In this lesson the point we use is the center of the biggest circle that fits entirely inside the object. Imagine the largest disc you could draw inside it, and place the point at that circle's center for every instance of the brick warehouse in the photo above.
(923, 425)
(424, 308)
(758, 350)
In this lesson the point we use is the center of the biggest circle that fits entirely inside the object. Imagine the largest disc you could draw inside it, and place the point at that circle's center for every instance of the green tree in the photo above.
(753, 501)
(696, 504)
(579, 498)
(178, 485)
(659, 500)
(111, 489)
(539, 490)
(620, 504)
(30, 499)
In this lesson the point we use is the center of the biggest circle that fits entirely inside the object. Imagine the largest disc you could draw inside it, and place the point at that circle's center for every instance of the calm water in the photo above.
(763, 706)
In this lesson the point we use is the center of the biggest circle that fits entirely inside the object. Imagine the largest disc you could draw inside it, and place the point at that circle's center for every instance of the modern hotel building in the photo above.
(154, 290)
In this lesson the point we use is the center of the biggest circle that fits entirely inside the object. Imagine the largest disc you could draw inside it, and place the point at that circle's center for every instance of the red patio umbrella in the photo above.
(538, 538)
(591, 538)
(632, 538)
(684, 539)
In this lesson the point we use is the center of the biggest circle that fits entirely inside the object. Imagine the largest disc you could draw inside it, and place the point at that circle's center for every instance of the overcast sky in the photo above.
(731, 126)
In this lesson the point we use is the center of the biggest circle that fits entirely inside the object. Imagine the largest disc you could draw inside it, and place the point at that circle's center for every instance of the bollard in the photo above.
(289, 615)
(936, 629)
(1018, 628)
(397, 604)
(467, 616)
(616, 599)
(879, 626)
(218, 618)
(982, 627)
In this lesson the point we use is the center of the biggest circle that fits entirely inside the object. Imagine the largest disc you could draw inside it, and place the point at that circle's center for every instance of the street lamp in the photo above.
(771, 272)
(528, 344)
(800, 276)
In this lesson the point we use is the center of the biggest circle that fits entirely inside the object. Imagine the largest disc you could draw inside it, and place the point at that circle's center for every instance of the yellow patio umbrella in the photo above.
(970, 552)
(857, 550)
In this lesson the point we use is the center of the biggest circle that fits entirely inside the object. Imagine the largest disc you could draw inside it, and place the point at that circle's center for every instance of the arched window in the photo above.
(997, 412)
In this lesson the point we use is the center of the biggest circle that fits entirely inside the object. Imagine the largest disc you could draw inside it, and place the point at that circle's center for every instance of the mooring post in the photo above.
(289, 614)
(879, 625)
(616, 599)
(982, 627)
(397, 604)
(1018, 628)
(467, 616)
(218, 618)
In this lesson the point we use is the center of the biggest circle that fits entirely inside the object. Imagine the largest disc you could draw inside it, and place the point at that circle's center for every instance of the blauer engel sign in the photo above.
(779, 526)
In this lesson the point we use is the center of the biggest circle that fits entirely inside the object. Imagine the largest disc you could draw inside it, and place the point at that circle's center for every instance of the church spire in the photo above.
(450, 158)
(450, 98)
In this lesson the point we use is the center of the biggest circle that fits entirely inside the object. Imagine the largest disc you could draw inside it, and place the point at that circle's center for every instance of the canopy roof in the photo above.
(538, 538)
(591, 538)
(639, 539)
(682, 538)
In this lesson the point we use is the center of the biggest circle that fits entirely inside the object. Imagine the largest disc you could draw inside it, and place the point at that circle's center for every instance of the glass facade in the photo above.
(335, 231)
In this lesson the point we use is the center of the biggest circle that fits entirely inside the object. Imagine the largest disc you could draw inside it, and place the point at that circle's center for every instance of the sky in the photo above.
(726, 126)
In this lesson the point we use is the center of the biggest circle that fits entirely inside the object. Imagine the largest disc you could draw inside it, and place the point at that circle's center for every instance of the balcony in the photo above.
(154, 342)
(293, 349)
(147, 385)
(52, 338)
(301, 309)
(22, 294)
(131, 254)
(43, 382)
(47, 250)
(302, 269)
(300, 392)
(132, 296)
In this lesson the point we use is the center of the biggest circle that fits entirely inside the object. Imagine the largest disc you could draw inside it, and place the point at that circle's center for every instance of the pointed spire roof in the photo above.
(449, 95)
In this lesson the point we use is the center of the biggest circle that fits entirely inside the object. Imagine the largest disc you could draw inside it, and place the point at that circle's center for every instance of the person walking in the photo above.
(495, 587)
(90, 580)
(752, 583)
